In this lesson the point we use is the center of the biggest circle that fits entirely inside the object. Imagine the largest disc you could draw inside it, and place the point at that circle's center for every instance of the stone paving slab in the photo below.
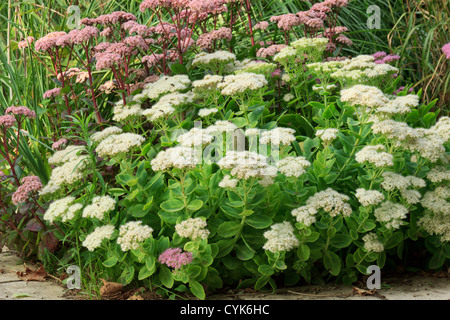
(424, 286)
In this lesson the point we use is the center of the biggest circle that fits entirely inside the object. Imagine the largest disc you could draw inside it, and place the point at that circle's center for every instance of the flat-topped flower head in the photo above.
(195, 137)
(391, 214)
(278, 136)
(132, 234)
(21, 111)
(30, 185)
(95, 239)
(246, 165)
(175, 258)
(327, 135)
(372, 243)
(375, 155)
(369, 197)
(117, 144)
(166, 84)
(7, 121)
(101, 135)
(362, 95)
(99, 207)
(184, 158)
(280, 237)
(293, 167)
(192, 228)
(63, 209)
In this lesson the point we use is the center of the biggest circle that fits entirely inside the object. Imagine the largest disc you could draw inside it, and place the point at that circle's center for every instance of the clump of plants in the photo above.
(180, 166)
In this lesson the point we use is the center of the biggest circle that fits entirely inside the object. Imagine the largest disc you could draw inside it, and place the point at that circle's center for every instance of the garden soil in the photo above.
(21, 281)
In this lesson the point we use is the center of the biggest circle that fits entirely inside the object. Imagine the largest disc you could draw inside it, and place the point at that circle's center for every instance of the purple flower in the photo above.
(446, 50)
(175, 258)
(379, 55)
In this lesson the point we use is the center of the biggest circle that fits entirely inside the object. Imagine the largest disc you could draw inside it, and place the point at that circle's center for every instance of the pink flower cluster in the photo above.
(49, 41)
(77, 36)
(17, 111)
(52, 93)
(154, 4)
(270, 51)
(382, 57)
(286, 21)
(262, 25)
(29, 184)
(446, 50)
(206, 40)
(24, 43)
(7, 121)
(208, 6)
(109, 19)
(175, 258)
(56, 145)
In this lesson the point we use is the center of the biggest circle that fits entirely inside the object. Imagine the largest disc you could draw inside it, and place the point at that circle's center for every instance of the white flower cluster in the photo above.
(117, 144)
(363, 95)
(208, 83)
(195, 137)
(372, 243)
(63, 209)
(393, 181)
(326, 67)
(193, 228)
(362, 69)
(177, 157)
(240, 83)
(280, 237)
(436, 220)
(206, 112)
(68, 154)
(99, 207)
(71, 168)
(293, 166)
(375, 155)
(132, 234)
(327, 135)
(126, 112)
(309, 45)
(400, 105)
(369, 197)
(278, 136)
(429, 143)
(228, 183)
(329, 200)
(391, 214)
(247, 164)
(439, 174)
(94, 239)
(211, 60)
(286, 55)
(221, 126)
(101, 135)
(288, 97)
(258, 67)
(167, 104)
(165, 84)
(436, 200)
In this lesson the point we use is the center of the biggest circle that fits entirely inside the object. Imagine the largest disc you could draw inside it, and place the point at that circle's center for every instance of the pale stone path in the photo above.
(408, 287)
(12, 288)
